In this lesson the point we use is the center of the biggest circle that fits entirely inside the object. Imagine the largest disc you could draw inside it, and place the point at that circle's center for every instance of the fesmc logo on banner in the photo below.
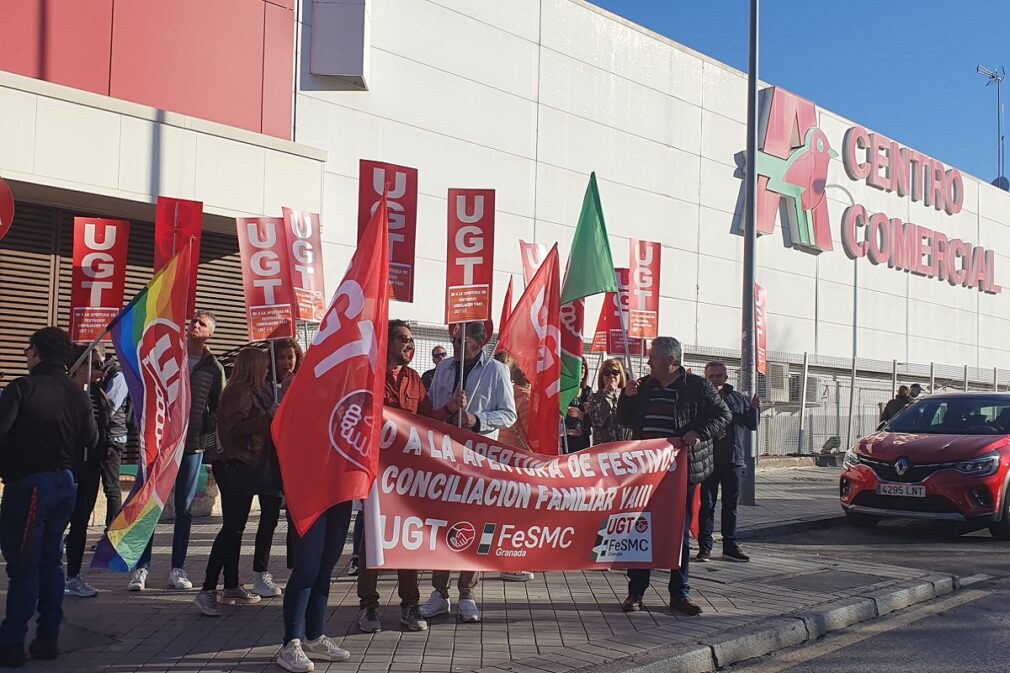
(792, 167)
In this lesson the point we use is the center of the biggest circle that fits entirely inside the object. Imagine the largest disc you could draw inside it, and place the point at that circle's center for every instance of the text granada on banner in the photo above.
(450, 499)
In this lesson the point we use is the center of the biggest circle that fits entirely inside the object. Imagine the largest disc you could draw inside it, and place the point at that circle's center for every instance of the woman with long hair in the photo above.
(287, 360)
(602, 404)
(244, 415)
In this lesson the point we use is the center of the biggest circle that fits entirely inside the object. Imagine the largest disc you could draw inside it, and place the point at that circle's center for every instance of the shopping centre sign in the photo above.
(792, 167)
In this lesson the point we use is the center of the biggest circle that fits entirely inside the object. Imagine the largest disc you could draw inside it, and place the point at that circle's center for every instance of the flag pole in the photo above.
(624, 328)
(462, 361)
(273, 372)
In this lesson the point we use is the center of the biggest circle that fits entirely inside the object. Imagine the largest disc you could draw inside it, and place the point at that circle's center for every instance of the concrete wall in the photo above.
(80, 149)
(529, 96)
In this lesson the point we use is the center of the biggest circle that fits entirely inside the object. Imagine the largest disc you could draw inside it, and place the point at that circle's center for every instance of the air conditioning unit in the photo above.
(796, 389)
(778, 382)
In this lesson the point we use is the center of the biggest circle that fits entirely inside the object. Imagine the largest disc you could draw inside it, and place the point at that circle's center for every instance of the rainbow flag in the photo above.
(150, 339)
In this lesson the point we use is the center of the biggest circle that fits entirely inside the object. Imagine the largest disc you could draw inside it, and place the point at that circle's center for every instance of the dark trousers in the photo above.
(638, 580)
(110, 482)
(88, 477)
(728, 478)
(186, 483)
(313, 557)
(358, 535)
(270, 514)
(238, 485)
(368, 581)
(33, 516)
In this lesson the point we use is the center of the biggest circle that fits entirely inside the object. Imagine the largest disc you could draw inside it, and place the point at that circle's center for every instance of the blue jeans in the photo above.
(185, 493)
(638, 580)
(313, 558)
(728, 477)
(33, 516)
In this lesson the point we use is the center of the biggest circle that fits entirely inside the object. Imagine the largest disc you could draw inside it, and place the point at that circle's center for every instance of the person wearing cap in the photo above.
(914, 390)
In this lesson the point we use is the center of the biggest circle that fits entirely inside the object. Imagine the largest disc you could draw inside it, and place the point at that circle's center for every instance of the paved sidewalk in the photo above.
(791, 498)
(557, 623)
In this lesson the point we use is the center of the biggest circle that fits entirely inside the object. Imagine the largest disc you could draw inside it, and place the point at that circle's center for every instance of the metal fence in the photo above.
(838, 399)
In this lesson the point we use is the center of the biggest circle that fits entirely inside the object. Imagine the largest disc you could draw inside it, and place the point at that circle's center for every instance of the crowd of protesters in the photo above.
(63, 435)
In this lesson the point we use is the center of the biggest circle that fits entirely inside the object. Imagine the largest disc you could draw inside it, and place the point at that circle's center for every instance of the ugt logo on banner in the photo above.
(266, 278)
(399, 186)
(470, 256)
(99, 275)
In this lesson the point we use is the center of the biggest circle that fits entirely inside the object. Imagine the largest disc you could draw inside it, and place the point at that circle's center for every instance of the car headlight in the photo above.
(982, 466)
(851, 458)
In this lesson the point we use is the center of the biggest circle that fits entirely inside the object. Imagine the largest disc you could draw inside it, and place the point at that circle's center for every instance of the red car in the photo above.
(943, 457)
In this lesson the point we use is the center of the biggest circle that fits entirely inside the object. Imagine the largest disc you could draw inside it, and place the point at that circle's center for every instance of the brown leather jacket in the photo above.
(243, 425)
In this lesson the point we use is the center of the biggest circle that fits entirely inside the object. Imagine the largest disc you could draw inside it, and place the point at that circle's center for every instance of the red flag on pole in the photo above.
(532, 335)
(327, 427)
(176, 222)
(506, 311)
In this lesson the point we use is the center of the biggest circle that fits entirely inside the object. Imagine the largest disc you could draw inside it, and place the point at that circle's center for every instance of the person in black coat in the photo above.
(672, 403)
(729, 465)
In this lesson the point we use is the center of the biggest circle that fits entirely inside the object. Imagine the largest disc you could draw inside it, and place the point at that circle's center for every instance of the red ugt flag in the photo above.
(327, 427)
(533, 336)
(506, 311)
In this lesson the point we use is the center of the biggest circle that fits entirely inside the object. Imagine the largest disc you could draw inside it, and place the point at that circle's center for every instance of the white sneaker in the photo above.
(138, 581)
(78, 587)
(468, 611)
(264, 586)
(207, 602)
(324, 648)
(521, 576)
(436, 605)
(292, 658)
(177, 580)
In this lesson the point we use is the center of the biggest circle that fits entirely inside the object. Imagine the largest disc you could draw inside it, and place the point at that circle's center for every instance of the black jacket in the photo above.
(205, 384)
(729, 448)
(45, 423)
(699, 410)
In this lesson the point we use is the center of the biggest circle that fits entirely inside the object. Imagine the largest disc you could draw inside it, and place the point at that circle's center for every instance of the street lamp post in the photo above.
(747, 345)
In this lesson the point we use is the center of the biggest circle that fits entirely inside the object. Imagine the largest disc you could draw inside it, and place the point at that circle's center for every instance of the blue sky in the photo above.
(904, 68)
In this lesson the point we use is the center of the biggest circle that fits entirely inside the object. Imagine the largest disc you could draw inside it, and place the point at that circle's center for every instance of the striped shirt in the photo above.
(660, 418)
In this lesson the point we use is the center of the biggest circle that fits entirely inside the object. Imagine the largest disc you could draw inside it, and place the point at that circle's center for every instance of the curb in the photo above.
(776, 633)
(755, 532)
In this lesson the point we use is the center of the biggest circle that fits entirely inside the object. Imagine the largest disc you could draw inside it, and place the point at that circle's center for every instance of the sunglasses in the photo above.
(438, 356)
(612, 372)
(406, 340)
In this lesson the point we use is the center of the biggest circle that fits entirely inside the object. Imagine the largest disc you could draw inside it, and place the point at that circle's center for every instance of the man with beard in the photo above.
(404, 390)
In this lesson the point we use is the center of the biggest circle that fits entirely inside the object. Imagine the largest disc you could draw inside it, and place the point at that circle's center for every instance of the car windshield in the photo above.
(954, 416)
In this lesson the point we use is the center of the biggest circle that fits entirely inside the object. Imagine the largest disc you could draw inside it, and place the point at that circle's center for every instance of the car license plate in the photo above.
(906, 490)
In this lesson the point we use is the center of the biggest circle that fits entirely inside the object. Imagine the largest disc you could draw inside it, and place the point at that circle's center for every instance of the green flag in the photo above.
(590, 264)
(590, 271)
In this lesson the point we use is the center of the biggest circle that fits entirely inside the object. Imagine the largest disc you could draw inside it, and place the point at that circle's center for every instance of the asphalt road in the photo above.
(963, 632)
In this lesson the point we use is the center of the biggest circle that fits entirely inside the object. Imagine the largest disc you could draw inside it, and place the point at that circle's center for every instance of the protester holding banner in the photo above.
(671, 402)
(479, 398)
(45, 419)
(729, 464)
(404, 390)
(206, 380)
(87, 470)
(601, 407)
(245, 469)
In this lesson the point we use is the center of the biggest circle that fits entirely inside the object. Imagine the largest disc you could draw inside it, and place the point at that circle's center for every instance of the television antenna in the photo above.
(996, 77)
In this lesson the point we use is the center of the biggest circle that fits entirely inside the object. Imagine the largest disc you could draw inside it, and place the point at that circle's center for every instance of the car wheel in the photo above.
(1000, 530)
(862, 520)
